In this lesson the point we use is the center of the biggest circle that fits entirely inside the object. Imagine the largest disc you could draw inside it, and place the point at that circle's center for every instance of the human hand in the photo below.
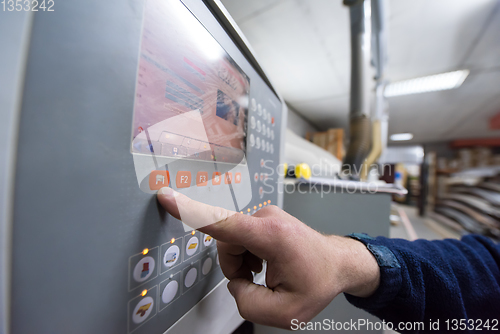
(306, 270)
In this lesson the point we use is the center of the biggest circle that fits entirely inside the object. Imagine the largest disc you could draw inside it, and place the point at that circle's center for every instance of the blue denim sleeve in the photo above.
(429, 280)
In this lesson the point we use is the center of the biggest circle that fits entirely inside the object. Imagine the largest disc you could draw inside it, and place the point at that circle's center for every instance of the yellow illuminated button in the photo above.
(172, 240)
(145, 251)
(265, 203)
(303, 171)
(260, 205)
(241, 211)
(249, 210)
(269, 202)
(255, 207)
(144, 292)
(193, 232)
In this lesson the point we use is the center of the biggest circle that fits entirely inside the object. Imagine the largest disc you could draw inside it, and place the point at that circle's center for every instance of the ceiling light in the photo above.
(401, 136)
(431, 83)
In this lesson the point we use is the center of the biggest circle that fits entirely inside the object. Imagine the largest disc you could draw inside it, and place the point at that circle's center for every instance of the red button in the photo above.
(202, 179)
(183, 179)
(158, 179)
(216, 178)
(229, 178)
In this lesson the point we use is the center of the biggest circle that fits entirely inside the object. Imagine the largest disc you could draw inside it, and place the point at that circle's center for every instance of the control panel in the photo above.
(118, 102)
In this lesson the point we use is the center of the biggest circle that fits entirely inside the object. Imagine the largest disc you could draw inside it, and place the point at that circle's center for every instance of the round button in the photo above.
(169, 292)
(144, 269)
(265, 114)
(142, 310)
(192, 246)
(252, 122)
(257, 143)
(261, 192)
(256, 177)
(190, 277)
(252, 140)
(261, 162)
(262, 176)
(171, 255)
(207, 266)
(258, 126)
(253, 104)
(207, 240)
(272, 134)
(259, 109)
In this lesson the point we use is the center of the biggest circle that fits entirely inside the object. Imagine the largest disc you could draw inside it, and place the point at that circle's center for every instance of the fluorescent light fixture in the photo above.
(432, 83)
(401, 136)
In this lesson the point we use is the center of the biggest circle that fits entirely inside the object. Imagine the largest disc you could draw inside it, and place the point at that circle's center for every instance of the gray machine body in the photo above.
(76, 221)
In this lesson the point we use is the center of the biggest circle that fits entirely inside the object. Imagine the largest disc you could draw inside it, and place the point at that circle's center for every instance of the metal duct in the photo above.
(360, 124)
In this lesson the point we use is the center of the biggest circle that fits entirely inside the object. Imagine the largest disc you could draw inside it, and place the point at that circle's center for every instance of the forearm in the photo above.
(424, 280)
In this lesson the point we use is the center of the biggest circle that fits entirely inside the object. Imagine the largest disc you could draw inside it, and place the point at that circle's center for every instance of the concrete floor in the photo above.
(425, 228)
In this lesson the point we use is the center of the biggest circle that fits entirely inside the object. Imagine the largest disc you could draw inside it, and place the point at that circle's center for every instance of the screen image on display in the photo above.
(191, 97)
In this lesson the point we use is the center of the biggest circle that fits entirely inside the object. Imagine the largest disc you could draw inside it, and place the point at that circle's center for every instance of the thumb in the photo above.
(224, 225)
(259, 304)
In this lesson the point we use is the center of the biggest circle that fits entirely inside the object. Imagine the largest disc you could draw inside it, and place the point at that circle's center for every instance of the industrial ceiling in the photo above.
(303, 45)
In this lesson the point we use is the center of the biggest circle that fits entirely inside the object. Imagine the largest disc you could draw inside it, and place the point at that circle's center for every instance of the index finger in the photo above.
(224, 225)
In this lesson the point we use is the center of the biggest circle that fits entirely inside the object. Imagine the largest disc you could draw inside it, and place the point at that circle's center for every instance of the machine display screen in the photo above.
(191, 97)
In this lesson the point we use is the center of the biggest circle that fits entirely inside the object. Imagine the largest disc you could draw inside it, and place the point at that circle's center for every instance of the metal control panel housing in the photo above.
(91, 250)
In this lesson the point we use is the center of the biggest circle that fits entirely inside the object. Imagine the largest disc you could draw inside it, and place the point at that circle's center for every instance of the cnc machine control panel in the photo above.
(118, 102)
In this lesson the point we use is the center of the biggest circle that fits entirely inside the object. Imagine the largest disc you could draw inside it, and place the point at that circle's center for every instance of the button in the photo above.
(268, 132)
(143, 309)
(207, 240)
(170, 292)
(257, 143)
(272, 120)
(158, 179)
(263, 145)
(183, 179)
(190, 277)
(256, 177)
(261, 192)
(253, 104)
(192, 246)
(262, 176)
(202, 179)
(264, 129)
(252, 122)
(265, 114)
(144, 269)
(272, 134)
(228, 178)
(237, 178)
(216, 178)
(207, 266)
(252, 140)
(171, 256)
(259, 126)
(259, 109)
(302, 171)
(261, 163)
